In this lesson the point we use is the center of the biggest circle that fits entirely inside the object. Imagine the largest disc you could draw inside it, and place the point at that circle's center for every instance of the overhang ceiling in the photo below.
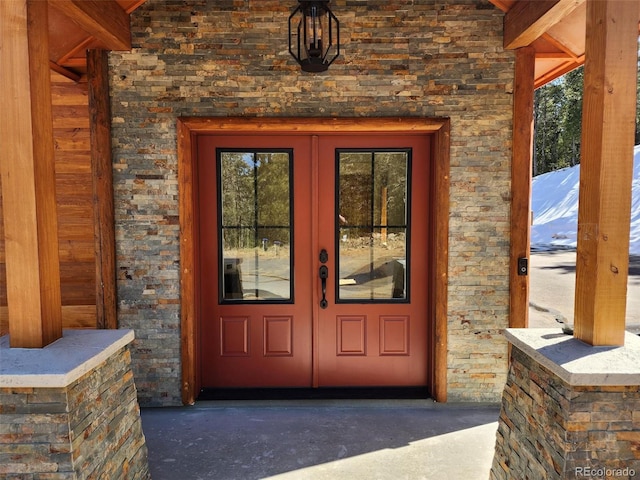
(554, 28)
(76, 26)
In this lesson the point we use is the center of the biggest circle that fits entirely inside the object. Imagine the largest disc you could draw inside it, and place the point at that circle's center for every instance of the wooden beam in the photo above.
(103, 19)
(28, 176)
(440, 258)
(64, 71)
(77, 56)
(606, 171)
(104, 219)
(189, 313)
(324, 125)
(527, 20)
(521, 164)
(135, 5)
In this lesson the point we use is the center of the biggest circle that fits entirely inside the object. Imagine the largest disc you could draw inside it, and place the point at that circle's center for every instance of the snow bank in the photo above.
(555, 207)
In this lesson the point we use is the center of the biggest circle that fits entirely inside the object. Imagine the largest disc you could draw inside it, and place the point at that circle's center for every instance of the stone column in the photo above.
(69, 411)
(569, 410)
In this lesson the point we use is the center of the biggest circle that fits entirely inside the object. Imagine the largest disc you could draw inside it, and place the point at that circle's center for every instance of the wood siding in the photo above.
(75, 208)
(4, 321)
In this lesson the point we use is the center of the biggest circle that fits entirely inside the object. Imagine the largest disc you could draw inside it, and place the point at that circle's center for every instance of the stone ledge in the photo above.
(62, 362)
(576, 362)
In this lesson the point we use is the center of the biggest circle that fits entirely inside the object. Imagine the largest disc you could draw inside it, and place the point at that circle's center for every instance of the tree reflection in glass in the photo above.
(255, 225)
(372, 225)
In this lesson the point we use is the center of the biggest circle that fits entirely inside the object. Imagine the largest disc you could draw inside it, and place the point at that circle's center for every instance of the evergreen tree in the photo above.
(571, 117)
(547, 131)
(558, 122)
(558, 117)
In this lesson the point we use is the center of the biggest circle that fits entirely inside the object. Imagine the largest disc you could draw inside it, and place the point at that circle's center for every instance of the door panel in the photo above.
(373, 331)
(363, 200)
(255, 302)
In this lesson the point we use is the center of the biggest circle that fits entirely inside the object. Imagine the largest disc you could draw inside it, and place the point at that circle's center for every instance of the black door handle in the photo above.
(324, 273)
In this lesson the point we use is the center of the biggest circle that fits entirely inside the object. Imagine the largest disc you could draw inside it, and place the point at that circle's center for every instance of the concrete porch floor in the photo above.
(321, 439)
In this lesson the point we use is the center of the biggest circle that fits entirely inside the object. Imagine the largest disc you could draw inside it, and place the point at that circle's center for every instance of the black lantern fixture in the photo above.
(314, 35)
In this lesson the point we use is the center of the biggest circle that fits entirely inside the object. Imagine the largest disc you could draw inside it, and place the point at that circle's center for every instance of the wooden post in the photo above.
(28, 176)
(102, 174)
(608, 124)
(521, 164)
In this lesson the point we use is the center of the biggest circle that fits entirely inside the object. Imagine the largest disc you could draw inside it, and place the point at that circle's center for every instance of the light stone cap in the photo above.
(576, 362)
(60, 363)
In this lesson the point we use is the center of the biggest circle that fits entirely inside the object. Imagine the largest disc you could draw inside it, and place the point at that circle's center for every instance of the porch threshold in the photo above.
(324, 393)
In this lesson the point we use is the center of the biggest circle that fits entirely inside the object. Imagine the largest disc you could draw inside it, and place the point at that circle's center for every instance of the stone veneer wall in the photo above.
(418, 58)
(549, 429)
(90, 429)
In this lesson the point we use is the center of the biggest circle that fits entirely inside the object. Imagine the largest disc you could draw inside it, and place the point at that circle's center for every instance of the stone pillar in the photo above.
(69, 411)
(569, 410)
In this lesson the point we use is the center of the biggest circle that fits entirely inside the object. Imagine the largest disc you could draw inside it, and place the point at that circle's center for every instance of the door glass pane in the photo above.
(372, 225)
(255, 225)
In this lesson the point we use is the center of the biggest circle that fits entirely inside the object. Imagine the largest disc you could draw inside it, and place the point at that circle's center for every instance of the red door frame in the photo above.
(188, 128)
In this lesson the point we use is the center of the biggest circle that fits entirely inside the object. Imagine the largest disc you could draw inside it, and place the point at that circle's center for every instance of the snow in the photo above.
(555, 208)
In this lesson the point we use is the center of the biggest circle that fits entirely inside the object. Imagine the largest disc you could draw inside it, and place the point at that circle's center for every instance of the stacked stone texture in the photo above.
(90, 429)
(418, 58)
(549, 429)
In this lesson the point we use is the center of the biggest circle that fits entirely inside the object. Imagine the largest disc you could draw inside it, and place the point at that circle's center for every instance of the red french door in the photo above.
(373, 223)
(255, 272)
(313, 254)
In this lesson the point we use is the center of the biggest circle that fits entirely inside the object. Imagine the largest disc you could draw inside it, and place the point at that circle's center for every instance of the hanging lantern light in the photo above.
(314, 35)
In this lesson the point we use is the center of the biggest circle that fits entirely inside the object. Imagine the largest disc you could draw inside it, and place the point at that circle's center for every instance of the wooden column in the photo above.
(521, 164)
(28, 176)
(608, 124)
(102, 173)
